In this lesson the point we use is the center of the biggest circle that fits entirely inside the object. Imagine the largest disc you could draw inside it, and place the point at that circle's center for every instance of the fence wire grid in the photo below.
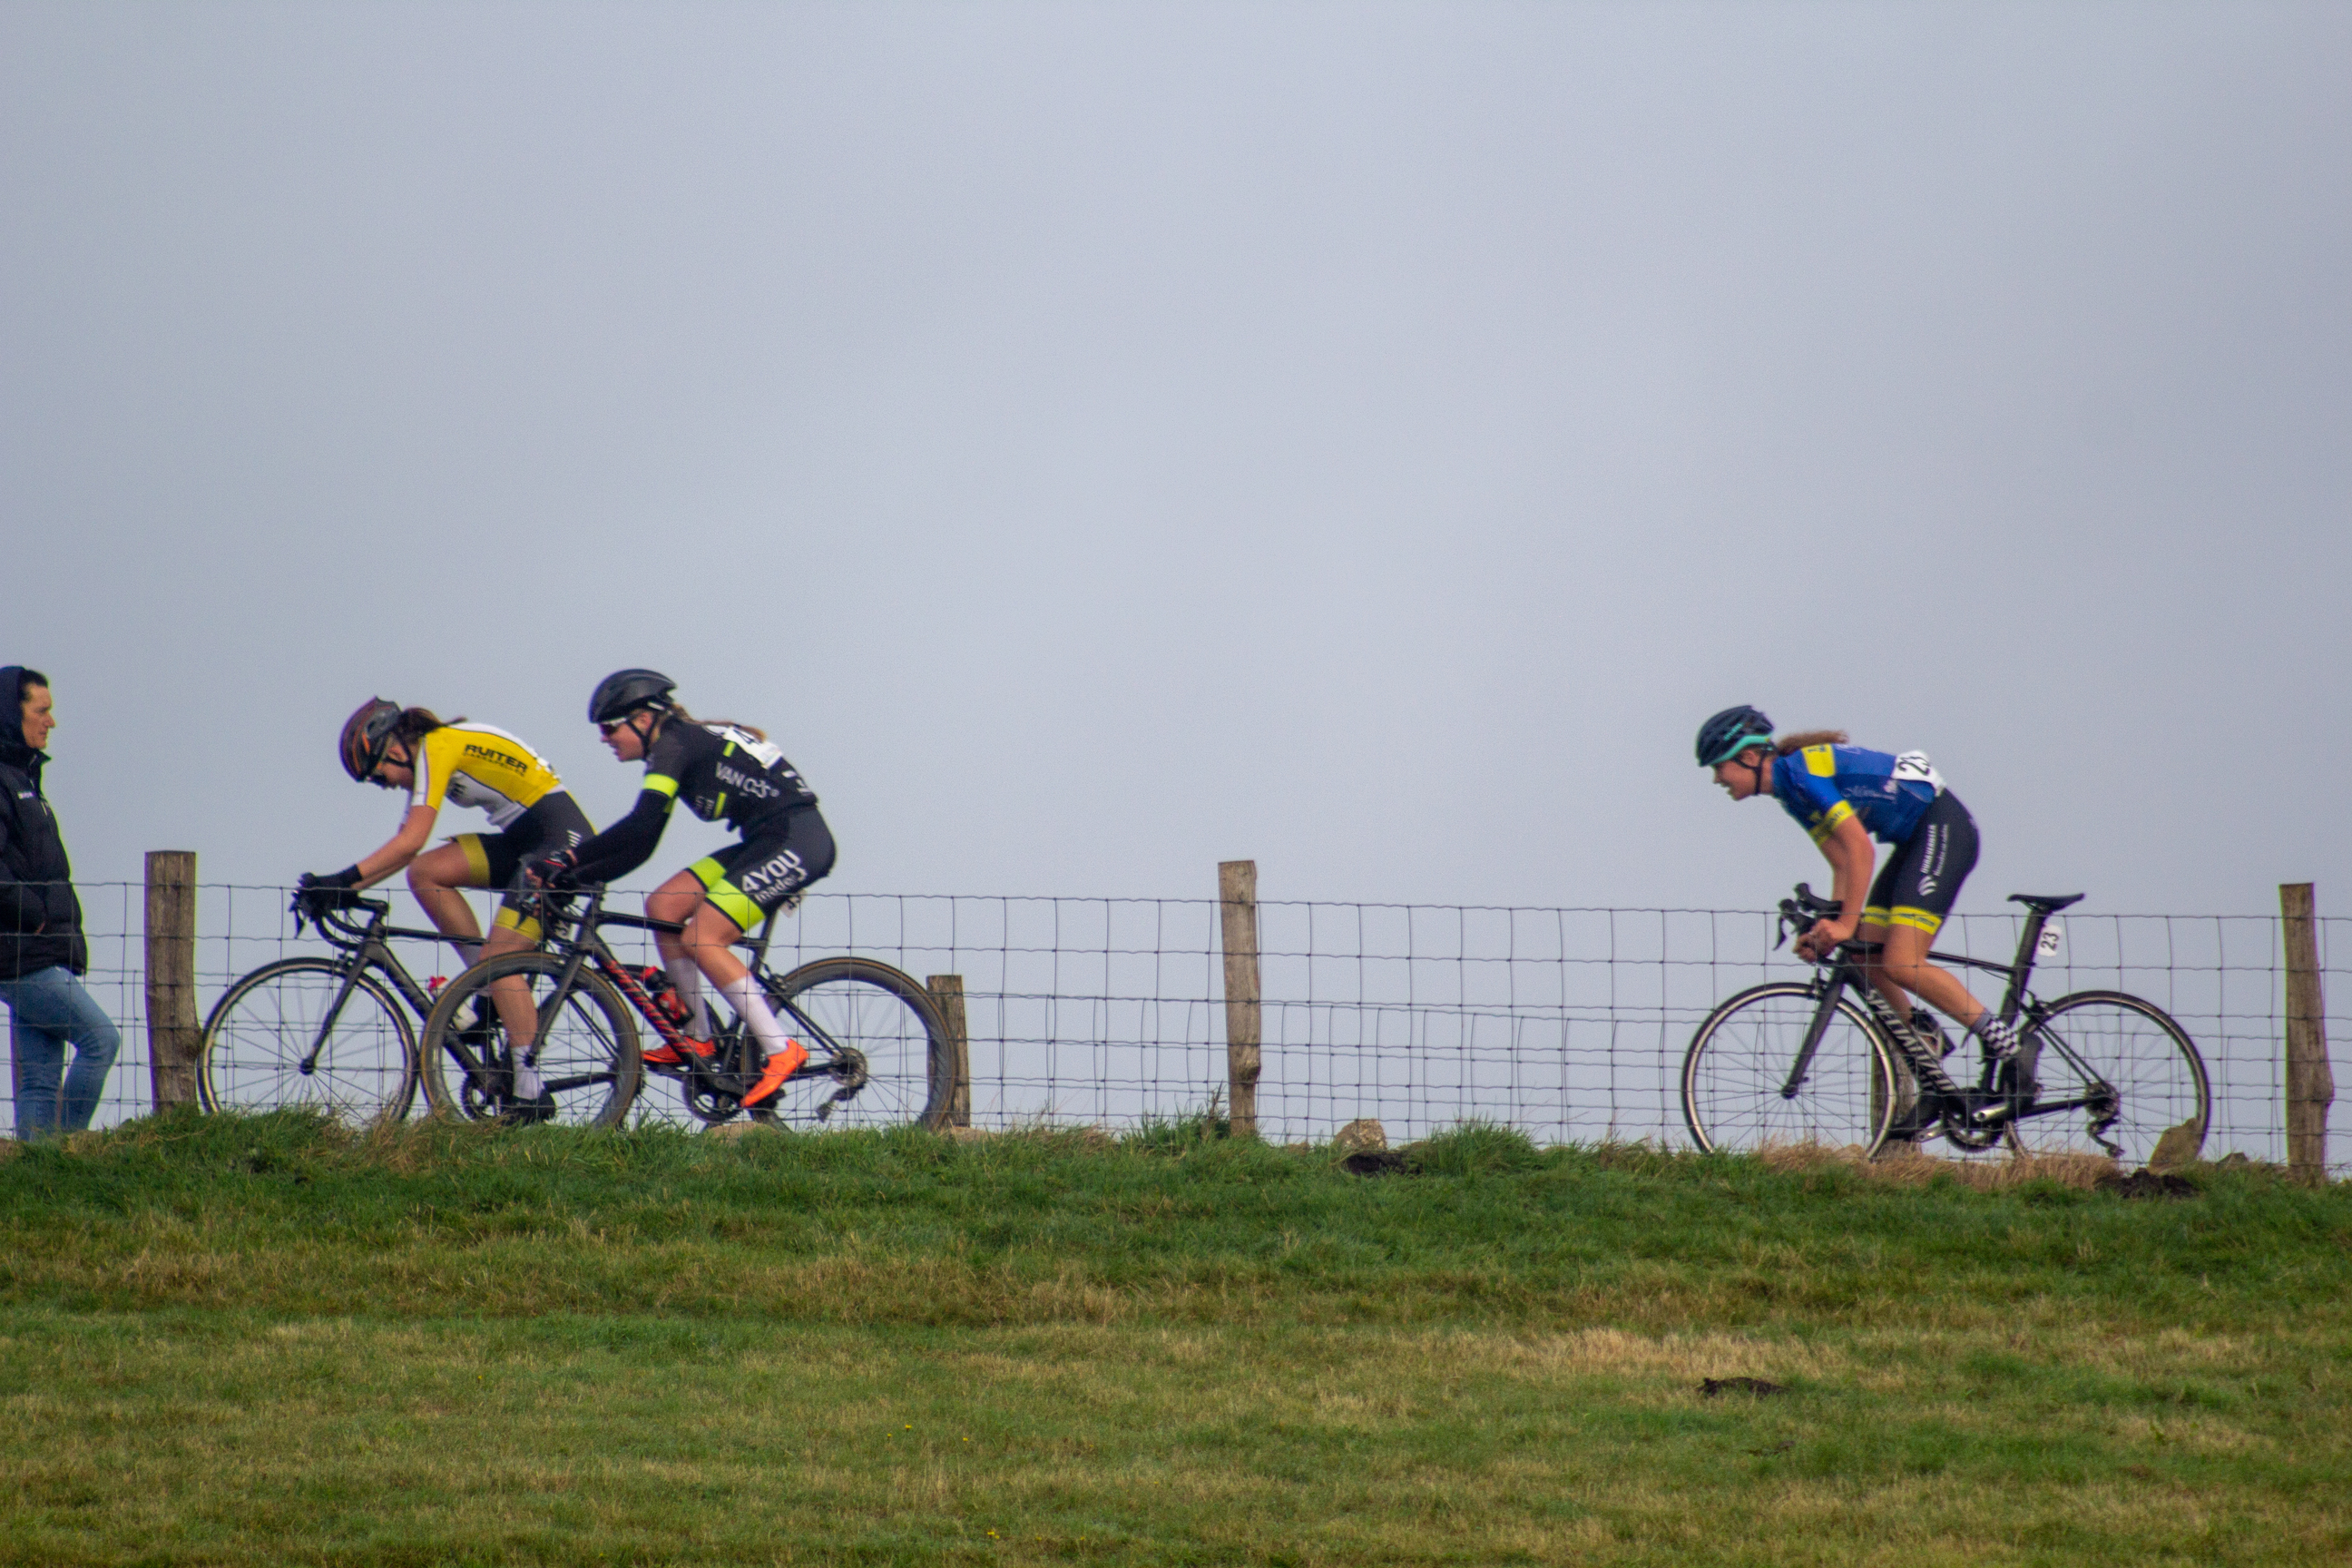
(1568, 1024)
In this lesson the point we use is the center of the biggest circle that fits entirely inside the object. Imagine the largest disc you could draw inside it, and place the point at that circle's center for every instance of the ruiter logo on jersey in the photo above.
(490, 754)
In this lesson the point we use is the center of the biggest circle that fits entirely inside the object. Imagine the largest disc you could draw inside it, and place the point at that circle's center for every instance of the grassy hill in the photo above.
(232, 1340)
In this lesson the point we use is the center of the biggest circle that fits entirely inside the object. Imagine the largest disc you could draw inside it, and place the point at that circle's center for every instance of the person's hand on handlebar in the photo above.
(317, 892)
(1818, 941)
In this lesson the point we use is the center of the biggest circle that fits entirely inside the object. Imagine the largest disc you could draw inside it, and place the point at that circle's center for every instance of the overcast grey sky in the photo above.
(1096, 441)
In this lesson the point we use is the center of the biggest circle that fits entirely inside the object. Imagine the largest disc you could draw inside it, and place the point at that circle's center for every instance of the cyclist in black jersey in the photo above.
(460, 763)
(725, 772)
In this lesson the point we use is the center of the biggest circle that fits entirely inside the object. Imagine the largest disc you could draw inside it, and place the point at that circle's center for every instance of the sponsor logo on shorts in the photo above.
(777, 876)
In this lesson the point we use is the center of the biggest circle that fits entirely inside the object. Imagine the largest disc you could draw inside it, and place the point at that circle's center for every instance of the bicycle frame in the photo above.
(587, 950)
(1843, 971)
(365, 947)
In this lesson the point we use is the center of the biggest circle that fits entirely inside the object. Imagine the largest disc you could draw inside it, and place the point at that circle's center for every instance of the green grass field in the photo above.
(256, 1341)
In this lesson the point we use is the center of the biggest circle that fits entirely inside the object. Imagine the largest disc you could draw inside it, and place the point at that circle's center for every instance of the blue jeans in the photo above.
(48, 1009)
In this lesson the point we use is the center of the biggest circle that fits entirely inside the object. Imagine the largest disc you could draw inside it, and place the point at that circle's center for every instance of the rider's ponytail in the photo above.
(676, 712)
(415, 724)
(1803, 738)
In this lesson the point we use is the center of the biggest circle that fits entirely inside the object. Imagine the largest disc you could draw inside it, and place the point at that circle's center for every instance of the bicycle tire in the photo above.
(1740, 1056)
(250, 1053)
(590, 1060)
(889, 1020)
(2138, 1050)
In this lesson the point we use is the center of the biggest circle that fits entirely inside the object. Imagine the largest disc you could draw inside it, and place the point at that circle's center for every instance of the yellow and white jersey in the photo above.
(480, 765)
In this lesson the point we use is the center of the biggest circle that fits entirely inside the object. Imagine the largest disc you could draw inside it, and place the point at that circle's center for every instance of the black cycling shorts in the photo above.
(1923, 874)
(776, 860)
(496, 859)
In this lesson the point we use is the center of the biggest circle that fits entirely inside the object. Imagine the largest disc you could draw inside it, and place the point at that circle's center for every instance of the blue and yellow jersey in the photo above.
(1820, 786)
(478, 765)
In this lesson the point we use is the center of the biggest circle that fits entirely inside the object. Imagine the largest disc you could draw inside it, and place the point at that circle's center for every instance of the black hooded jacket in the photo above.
(40, 918)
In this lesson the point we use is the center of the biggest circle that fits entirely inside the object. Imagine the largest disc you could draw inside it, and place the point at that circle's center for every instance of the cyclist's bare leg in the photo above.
(435, 877)
(1899, 969)
(710, 936)
(512, 993)
(709, 939)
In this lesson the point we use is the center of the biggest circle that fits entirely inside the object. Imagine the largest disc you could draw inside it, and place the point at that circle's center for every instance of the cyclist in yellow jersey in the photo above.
(465, 764)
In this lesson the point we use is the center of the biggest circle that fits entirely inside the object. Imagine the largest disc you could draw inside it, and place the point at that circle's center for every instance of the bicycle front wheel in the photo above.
(278, 1037)
(1737, 1093)
(2132, 1074)
(588, 1061)
(878, 1052)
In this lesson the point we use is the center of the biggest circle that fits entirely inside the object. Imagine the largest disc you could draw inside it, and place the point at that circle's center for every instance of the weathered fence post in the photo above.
(172, 975)
(2310, 1083)
(947, 990)
(1238, 893)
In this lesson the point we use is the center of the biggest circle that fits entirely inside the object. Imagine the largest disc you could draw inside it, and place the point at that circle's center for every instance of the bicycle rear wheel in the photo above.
(1738, 1065)
(263, 1049)
(2133, 1062)
(589, 1062)
(878, 1054)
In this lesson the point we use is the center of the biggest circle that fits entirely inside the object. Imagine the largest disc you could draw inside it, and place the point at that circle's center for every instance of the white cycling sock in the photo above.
(685, 979)
(2000, 1039)
(745, 995)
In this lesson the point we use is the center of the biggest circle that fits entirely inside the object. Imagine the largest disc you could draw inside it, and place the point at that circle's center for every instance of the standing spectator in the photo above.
(41, 945)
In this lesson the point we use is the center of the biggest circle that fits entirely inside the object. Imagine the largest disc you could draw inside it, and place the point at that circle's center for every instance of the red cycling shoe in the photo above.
(781, 1066)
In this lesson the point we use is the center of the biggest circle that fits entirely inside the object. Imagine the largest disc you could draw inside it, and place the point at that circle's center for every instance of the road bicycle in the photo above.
(877, 1044)
(333, 1033)
(1827, 1062)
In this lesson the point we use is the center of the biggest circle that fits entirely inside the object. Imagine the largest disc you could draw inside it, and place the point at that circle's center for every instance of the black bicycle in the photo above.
(1827, 1062)
(877, 1044)
(333, 1033)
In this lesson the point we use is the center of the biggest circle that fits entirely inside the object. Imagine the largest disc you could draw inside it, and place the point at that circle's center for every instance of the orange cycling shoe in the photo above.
(668, 1055)
(781, 1066)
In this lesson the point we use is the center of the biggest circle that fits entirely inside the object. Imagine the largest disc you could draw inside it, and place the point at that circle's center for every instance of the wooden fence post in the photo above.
(172, 1028)
(1238, 893)
(2310, 1083)
(947, 990)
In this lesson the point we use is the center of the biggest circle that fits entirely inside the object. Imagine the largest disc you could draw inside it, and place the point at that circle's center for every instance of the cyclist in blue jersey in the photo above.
(1845, 795)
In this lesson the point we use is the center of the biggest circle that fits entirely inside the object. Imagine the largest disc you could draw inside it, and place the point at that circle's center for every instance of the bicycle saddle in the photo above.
(2046, 903)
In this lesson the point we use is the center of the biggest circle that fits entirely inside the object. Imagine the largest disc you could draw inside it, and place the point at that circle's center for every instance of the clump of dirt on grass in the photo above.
(2148, 1185)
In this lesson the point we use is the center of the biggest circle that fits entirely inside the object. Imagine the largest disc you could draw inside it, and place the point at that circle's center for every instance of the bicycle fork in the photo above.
(362, 961)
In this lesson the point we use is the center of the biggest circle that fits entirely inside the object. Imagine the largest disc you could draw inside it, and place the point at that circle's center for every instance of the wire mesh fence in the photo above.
(1569, 1024)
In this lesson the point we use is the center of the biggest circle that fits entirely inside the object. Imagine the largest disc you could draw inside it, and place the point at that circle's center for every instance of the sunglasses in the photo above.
(606, 726)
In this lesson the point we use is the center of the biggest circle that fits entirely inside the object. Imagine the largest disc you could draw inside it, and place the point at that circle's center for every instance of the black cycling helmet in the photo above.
(1730, 732)
(625, 691)
(366, 734)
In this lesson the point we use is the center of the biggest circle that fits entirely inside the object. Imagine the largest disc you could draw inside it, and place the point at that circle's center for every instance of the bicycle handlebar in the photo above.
(326, 909)
(1802, 913)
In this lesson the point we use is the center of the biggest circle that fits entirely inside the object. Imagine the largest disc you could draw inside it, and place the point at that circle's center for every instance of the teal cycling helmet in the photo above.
(1730, 732)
